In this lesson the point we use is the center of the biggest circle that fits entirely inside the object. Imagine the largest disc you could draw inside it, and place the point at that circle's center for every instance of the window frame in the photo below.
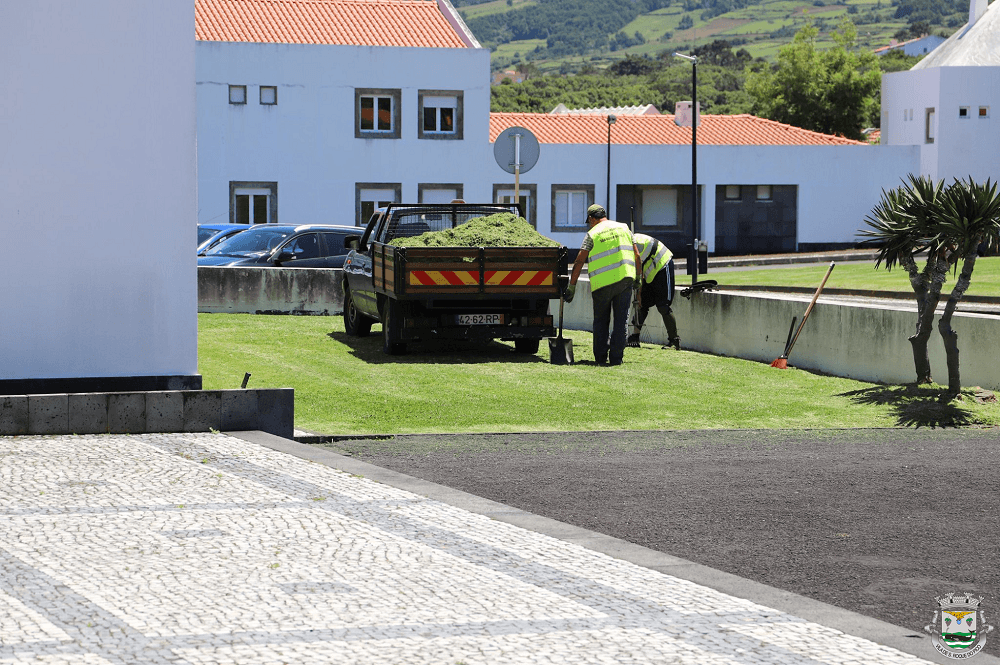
(929, 117)
(459, 119)
(963, 112)
(395, 94)
(272, 203)
(396, 187)
(242, 88)
(739, 193)
(581, 224)
(261, 95)
(984, 112)
(532, 193)
(424, 187)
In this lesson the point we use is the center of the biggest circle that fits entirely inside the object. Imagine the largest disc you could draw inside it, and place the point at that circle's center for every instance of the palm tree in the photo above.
(949, 225)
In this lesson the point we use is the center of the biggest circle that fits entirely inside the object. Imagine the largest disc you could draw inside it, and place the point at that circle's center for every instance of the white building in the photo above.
(97, 196)
(286, 132)
(946, 103)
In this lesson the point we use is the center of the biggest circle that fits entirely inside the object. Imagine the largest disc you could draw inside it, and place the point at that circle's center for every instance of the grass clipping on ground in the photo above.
(503, 229)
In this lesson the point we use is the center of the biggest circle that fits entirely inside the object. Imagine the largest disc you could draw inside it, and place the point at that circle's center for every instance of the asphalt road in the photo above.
(874, 521)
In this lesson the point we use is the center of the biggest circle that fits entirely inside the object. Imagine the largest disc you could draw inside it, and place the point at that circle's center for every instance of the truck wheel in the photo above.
(390, 329)
(529, 346)
(355, 323)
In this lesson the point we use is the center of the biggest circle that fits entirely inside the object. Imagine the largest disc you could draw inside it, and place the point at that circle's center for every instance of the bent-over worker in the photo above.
(611, 257)
(656, 286)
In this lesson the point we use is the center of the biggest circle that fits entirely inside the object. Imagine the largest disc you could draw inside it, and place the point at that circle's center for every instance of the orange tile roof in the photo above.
(340, 22)
(660, 129)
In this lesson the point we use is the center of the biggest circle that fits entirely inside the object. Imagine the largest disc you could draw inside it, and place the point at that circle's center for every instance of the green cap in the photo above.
(597, 211)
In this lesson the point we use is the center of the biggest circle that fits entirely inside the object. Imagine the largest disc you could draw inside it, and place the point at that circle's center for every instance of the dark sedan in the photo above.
(285, 246)
(210, 235)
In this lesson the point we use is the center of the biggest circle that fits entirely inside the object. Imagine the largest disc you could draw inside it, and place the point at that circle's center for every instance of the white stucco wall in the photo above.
(97, 176)
(962, 146)
(306, 142)
(837, 185)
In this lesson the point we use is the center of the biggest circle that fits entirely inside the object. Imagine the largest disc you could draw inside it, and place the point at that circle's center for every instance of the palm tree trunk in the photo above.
(937, 272)
(949, 336)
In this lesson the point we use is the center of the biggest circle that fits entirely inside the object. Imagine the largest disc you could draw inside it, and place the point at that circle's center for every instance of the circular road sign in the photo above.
(506, 145)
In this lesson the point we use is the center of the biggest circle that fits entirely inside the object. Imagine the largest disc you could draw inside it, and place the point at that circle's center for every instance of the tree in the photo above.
(950, 225)
(833, 91)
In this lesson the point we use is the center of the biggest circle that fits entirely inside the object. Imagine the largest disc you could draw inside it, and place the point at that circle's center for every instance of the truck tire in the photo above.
(391, 323)
(527, 346)
(356, 324)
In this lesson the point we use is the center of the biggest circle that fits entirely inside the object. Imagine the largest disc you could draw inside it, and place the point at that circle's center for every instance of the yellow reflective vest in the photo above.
(612, 259)
(653, 254)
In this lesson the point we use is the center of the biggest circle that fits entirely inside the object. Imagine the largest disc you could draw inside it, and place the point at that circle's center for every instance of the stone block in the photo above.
(276, 411)
(239, 410)
(88, 413)
(13, 415)
(48, 414)
(126, 413)
(164, 411)
(202, 410)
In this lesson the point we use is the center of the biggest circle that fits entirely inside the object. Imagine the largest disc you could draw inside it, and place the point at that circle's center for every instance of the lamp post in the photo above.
(694, 163)
(611, 121)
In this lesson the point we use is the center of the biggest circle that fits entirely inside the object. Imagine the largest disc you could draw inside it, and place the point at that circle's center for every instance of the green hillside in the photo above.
(569, 36)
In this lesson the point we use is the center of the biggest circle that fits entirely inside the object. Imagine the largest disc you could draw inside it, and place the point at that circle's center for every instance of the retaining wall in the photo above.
(254, 290)
(858, 341)
(268, 410)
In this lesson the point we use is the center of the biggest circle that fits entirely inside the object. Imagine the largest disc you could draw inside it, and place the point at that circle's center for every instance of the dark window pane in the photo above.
(242, 209)
(430, 120)
(260, 209)
(367, 113)
(385, 113)
(447, 120)
(367, 210)
(334, 243)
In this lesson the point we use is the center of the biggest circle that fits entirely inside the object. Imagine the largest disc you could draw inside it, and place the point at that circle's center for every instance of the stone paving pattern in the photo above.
(203, 548)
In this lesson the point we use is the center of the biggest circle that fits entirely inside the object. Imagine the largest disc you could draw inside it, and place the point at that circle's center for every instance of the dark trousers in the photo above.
(660, 294)
(611, 300)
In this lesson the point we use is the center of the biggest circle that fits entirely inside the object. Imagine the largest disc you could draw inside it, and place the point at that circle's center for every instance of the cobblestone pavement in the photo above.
(205, 548)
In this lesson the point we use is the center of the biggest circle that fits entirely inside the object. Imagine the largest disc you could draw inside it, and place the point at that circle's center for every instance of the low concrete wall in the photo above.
(238, 290)
(268, 410)
(859, 341)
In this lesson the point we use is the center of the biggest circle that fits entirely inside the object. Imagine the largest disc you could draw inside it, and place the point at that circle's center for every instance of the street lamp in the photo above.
(693, 259)
(611, 121)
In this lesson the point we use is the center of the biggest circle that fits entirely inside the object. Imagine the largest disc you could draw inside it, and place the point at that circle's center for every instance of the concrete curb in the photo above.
(880, 632)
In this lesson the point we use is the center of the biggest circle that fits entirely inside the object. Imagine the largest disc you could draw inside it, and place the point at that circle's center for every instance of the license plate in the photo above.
(480, 319)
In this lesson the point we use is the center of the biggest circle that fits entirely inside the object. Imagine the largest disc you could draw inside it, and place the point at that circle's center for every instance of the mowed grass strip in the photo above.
(985, 277)
(346, 385)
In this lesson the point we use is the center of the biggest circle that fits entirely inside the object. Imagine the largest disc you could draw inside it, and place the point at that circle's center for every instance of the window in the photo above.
(569, 206)
(440, 114)
(963, 111)
(370, 196)
(438, 193)
(929, 126)
(763, 192)
(237, 94)
(376, 113)
(305, 246)
(732, 192)
(253, 202)
(268, 95)
(527, 195)
(984, 111)
(659, 206)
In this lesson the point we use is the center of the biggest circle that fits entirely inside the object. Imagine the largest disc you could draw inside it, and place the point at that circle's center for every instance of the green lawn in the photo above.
(985, 277)
(345, 385)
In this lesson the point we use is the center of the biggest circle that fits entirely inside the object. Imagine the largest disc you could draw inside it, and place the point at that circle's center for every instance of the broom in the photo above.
(782, 362)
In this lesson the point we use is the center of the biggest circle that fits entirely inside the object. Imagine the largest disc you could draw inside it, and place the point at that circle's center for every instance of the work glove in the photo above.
(570, 292)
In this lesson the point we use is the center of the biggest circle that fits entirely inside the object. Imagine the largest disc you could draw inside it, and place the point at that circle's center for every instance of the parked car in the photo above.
(210, 235)
(281, 245)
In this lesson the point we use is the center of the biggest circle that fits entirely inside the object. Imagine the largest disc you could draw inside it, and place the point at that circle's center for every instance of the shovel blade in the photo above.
(560, 351)
(780, 363)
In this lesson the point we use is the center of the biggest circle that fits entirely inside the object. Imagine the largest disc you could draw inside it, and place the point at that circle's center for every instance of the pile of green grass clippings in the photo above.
(503, 229)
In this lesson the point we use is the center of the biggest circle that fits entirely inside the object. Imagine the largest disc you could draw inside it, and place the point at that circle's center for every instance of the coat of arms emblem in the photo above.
(958, 628)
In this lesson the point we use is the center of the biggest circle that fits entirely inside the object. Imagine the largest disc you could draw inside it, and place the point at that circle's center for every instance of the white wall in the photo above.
(97, 179)
(306, 142)
(962, 146)
(837, 185)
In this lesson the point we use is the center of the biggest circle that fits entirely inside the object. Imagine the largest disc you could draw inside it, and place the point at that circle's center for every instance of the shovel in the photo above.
(781, 362)
(561, 350)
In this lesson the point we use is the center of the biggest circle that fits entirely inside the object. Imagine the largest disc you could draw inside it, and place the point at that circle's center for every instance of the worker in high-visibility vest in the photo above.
(611, 257)
(657, 286)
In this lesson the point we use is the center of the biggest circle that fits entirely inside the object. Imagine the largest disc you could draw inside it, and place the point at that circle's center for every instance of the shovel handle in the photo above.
(809, 309)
